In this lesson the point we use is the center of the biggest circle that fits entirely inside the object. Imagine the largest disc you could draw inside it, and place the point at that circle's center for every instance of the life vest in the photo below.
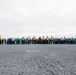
(23, 38)
(34, 38)
(0, 38)
(46, 38)
(29, 38)
(43, 38)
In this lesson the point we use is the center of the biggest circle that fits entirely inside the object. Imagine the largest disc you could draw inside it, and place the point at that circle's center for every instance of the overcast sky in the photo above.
(37, 17)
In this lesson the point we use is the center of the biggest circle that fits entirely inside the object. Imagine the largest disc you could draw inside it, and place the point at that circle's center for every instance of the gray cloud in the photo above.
(37, 17)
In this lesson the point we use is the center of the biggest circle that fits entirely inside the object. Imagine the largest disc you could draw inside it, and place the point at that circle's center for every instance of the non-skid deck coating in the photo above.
(37, 59)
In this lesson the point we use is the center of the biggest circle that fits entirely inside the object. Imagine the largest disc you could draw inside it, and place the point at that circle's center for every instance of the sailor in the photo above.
(0, 39)
(64, 40)
(72, 40)
(39, 40)
(56, 41)
(17, 40)
(34, 40)
(43, 40)
(5, 41)
(22, 40)
(13, 41)
(29, 40)
(61, 41)
(75, 40)
(52, 40)
(9, 41)
(47, 40)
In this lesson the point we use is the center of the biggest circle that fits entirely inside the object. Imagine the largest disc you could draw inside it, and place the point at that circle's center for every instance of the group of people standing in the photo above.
(39, 40)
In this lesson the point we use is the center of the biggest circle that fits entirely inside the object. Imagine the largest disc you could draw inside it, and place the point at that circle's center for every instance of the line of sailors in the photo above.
(40, 40)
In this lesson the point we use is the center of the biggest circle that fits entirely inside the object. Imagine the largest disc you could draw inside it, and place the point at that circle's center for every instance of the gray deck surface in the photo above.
(37, 59)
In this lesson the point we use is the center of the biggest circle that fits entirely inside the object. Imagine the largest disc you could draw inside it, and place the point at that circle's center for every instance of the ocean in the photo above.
(35, 59)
